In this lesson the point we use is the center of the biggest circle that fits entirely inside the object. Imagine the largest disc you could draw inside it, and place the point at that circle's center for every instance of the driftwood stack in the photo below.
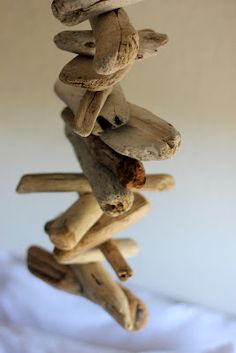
(111, 139)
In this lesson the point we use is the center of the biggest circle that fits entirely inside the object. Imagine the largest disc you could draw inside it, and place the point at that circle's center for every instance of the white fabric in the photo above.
(35, 318)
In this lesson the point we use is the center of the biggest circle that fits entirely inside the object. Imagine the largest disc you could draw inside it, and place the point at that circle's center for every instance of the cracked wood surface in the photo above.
(73, 12)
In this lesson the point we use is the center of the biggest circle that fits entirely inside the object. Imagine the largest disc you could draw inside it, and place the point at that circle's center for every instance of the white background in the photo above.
(188, 240)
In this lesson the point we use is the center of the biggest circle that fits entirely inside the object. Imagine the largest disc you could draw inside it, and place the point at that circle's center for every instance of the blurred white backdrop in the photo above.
(188, 241)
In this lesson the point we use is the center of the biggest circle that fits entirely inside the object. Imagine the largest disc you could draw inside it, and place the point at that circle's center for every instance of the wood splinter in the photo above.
(92, 282)
(68, 229)
(113, 255)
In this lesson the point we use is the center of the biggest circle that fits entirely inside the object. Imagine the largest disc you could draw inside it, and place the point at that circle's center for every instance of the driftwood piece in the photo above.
(83, 42)
(92, 282)
(113, 114)
(149, 43)
(113, 55)
(145, 137)
(130, 172)
(105, 228)
(76, 182)
(112, 197)
(73, 12)
(127, 247)
(79, 72)
(88, 111)
(113, 255)
(68, 229)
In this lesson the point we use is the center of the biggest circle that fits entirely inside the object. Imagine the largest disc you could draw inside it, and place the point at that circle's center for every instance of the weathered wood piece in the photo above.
(127, 247)
(149, 43)
(115, 111)
(92, 282)
(76, 182)
(88, 111)
(105, 228)
(83, 42)
(113, 55)
(73, 12)
(117, 261)
(113, 198)
(113, 114)
(68, 229)
(79, 72)
(145, 137)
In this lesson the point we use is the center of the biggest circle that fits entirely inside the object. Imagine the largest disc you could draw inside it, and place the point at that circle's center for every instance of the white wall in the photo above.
(188, 240)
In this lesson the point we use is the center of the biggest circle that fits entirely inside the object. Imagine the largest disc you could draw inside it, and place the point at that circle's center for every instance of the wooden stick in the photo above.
(152, 137)
(88, 111)
(112, 114)
(76, 182)
(113, 198)
(79, 72)
(67, 230)
(73, 12)
(83, 42)
(105, 228)
(113, 55)
(113, 255)
(127, 247)
(92, 282)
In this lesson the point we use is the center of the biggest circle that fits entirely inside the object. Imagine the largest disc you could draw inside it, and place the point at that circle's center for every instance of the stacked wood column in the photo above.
(111, 139)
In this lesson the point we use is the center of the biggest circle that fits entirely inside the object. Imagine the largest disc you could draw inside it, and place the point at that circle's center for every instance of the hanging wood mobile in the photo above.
(111, 138)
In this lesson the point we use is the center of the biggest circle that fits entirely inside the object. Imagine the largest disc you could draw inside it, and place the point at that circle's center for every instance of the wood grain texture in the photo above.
(127, 247)
(73, 12)
(145, 137)
(113, 55)
(90, 281)
(67, 230)
(77, 182)
(110, 115)
(106, 228)
(83, 42)
(80, 72)
(117, 261)
(113, 198)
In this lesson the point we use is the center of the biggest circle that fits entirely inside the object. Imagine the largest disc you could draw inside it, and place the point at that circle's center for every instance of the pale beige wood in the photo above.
(101, 289)
(117, 261)
(83, 42)
(127, 247)
(145, 137)
(88, 111)
(68, 229)
(113, 198)
(138, 310)
(80, 72)
(113, 114)
(92, 282)
(76, 182)
(149, 43)
(53, 182)
(113, 55)
(73, 12)
(105, 228)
